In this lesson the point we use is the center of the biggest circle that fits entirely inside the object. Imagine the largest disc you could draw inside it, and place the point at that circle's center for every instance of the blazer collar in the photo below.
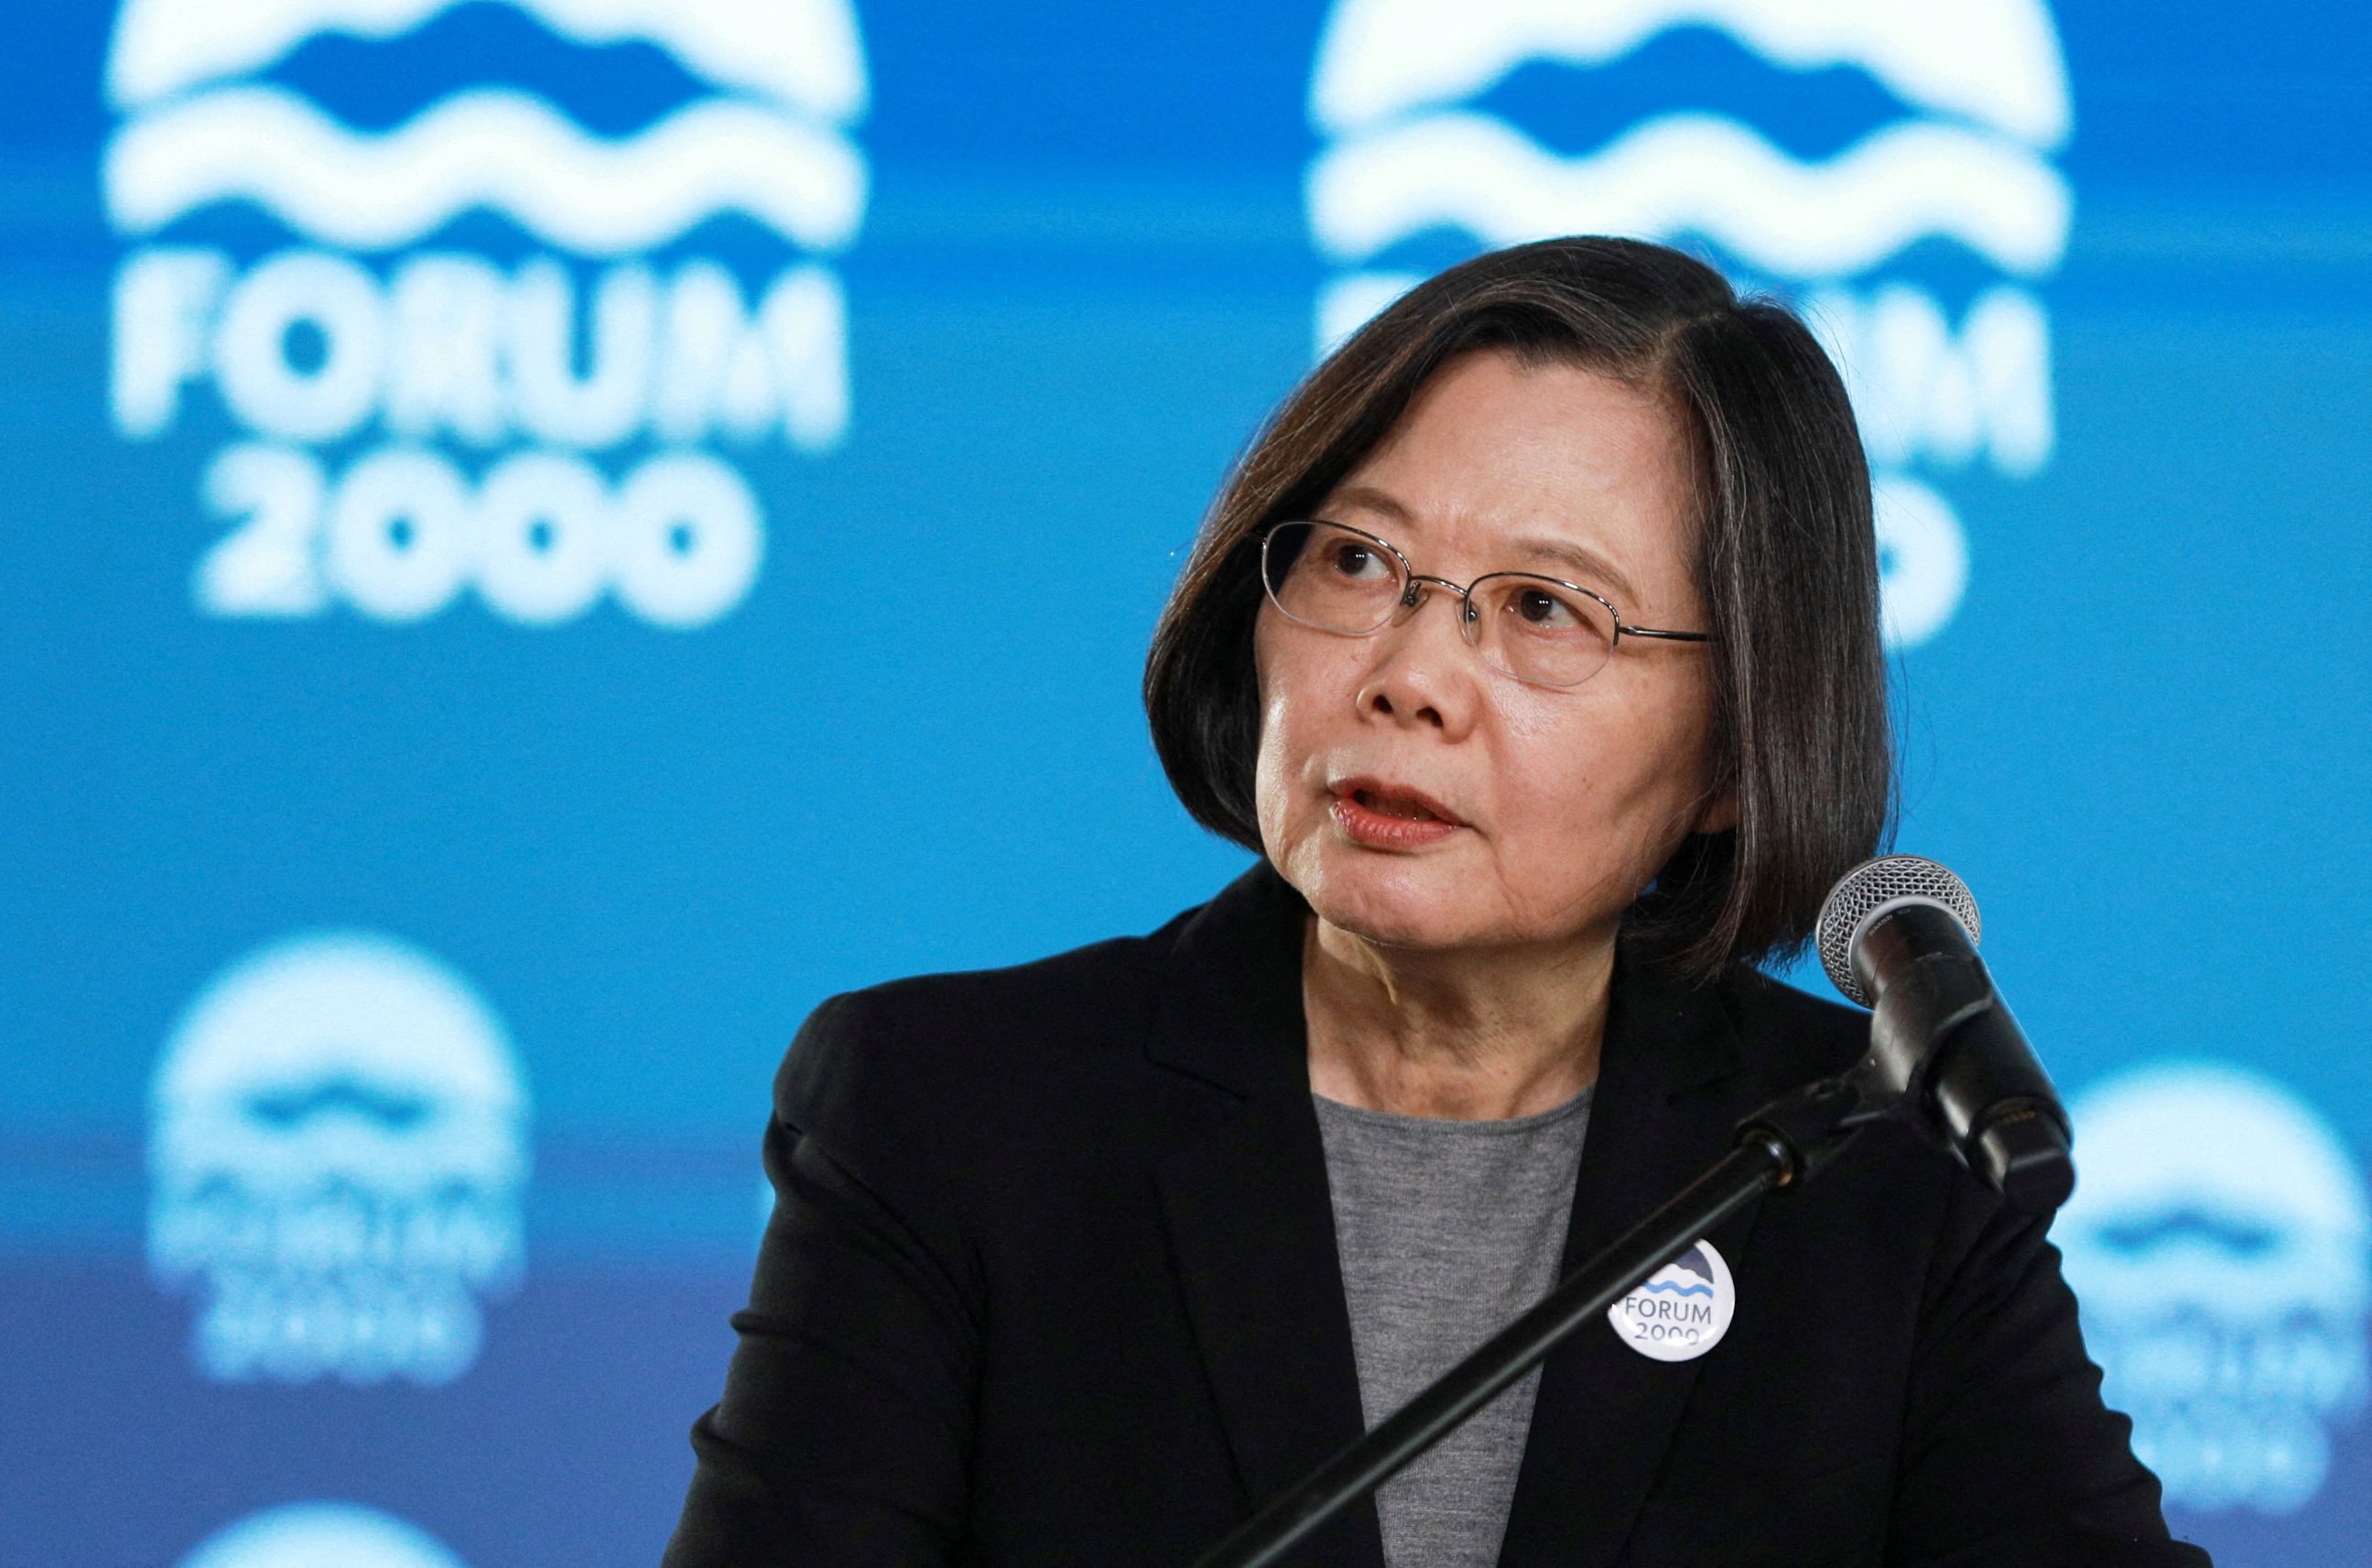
(1251, 1227)
(1673, 1082)
(1230, 999)
(1250, 1224)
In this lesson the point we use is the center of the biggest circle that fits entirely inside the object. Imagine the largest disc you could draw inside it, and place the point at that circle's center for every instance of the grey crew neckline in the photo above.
(1451, 1126)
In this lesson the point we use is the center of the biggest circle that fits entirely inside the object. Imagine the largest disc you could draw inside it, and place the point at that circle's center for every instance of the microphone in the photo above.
(1899, 936)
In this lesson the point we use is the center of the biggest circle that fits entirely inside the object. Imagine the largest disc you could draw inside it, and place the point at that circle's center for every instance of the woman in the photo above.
(1533, 647)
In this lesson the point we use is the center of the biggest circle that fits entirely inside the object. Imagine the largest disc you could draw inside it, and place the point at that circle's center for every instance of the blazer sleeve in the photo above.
(2009, 1457)
(843, 1433)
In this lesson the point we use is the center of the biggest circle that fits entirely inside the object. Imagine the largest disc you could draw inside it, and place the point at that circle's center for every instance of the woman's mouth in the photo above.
(1381, 816)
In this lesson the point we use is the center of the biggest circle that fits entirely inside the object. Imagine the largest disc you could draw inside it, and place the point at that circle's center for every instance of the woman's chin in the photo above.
(1393, 900)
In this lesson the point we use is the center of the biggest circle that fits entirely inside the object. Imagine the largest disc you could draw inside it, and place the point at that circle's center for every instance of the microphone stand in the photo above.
(1780, 1145)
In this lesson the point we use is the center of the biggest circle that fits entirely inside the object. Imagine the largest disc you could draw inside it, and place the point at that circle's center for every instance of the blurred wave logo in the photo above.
(1984, 89)
(337, 1159)
(2220, 1246)
(416, 364)
(320, 1535)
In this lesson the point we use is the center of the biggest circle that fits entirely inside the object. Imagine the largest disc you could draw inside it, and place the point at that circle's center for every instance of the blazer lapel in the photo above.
(1251, 1224)
(1666, 1099)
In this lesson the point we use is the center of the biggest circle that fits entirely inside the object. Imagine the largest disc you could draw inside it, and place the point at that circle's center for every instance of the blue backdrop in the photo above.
(550, 536)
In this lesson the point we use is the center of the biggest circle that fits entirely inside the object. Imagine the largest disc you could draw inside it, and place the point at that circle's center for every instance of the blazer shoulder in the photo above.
(1795, 1036)
(964, 1042)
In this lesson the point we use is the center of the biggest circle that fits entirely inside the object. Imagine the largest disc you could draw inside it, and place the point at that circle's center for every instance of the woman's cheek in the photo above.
(1278, 797)
(1577, 835)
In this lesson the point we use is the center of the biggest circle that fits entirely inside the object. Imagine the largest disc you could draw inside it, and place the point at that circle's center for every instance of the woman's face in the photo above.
(1419, 798)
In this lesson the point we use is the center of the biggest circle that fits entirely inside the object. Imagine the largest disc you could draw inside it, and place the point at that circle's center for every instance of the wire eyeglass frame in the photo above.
(1414, 583)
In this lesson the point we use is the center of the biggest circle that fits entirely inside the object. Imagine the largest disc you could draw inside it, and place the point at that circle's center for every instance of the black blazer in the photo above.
(1052, 1280)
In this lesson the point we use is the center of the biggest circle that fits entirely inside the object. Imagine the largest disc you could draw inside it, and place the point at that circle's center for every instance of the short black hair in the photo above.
(1786, 564)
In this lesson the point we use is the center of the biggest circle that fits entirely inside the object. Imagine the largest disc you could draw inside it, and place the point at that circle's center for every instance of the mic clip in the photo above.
(1946, 1054)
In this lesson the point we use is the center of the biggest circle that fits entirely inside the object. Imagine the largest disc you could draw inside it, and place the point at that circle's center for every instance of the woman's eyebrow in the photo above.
(1585, 563)
(1368, 498)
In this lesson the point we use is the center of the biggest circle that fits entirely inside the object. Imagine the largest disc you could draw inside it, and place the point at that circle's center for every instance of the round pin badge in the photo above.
(1681, 1311)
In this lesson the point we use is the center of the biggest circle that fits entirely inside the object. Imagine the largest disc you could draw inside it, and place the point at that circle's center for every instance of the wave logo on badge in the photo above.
(322, 1535)
(1681, 1310)
(338, 1154)
(1981, 88)
(2220, 1242)
(545, 421)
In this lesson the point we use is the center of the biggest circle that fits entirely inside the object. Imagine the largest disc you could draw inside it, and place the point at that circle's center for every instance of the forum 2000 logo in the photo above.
(1438, 118)
(482, 348)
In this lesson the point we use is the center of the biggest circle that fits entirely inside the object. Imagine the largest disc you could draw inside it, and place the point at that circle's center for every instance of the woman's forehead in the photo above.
(1545, 460)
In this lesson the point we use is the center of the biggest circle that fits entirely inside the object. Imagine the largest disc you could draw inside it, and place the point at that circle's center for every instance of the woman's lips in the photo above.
(1385, 816)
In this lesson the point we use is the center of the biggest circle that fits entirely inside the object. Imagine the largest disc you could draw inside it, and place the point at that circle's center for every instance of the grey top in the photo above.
(1446, 1230)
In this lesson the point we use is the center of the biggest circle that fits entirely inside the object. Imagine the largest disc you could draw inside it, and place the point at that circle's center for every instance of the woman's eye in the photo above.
(1538, 607)
(1354, 560)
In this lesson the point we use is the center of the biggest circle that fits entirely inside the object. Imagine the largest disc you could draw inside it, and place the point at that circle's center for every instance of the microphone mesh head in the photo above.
(1883, 881)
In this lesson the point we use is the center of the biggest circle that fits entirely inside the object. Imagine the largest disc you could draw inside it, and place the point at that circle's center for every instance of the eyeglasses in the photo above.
(1337, 578)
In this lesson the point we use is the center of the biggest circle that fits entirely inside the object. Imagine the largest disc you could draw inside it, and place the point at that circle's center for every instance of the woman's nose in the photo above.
(1424, 673)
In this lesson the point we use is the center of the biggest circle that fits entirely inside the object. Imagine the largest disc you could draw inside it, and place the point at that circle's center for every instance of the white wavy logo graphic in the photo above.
(2221, 1244)
(1696, 173)
(322, 1535)
(490, 147)
(1988, 94)
(1993, 61)
(338, 1153)
(585, 345)
(803, 52)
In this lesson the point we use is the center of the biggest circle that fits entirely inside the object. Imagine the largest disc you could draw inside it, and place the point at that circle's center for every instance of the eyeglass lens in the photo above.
(1340, 580)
